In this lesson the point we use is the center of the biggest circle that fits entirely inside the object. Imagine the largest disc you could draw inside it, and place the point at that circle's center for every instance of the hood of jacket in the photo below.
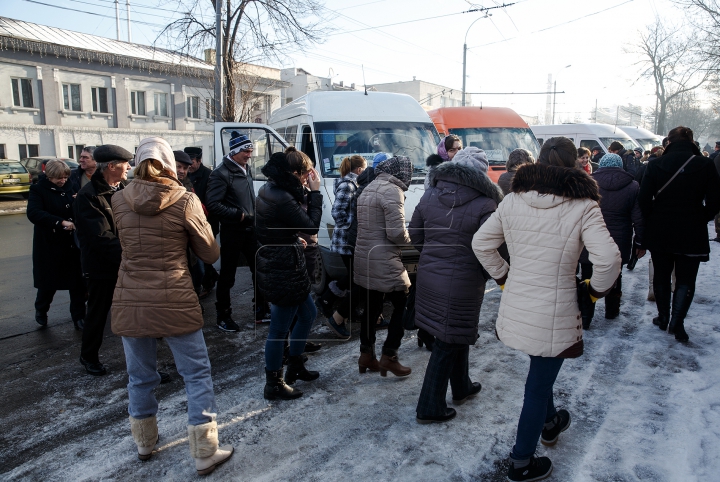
(459, 184)
(367, 176)
(278, 171)
(612, 178)
(151, 198)
(384, 176)
(544, 186)
(434, 160)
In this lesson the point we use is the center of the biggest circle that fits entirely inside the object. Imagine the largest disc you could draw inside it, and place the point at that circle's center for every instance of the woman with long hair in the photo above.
(447, 148)
(281, 269)
(551, 213)
(157, 219)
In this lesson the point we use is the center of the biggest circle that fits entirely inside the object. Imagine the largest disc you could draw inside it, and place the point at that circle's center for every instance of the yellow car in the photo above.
(14, 178)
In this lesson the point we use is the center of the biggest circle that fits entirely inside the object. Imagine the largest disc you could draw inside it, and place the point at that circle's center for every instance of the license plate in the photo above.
(11, 181)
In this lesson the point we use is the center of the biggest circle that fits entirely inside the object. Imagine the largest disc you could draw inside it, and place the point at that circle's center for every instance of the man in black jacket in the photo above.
(231, 198)
(100, 249)
(630, 162)
(81, 175)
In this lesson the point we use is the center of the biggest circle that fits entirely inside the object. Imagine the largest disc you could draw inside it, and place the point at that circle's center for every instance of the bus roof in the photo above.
(474, 117)
(353, 106)
(639, 133)
(604, 130)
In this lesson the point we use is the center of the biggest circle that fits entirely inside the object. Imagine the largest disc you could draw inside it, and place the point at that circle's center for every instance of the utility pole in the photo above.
(464, 67)
(127, 4)
(117, 19)
(555, 90)
(219, 104)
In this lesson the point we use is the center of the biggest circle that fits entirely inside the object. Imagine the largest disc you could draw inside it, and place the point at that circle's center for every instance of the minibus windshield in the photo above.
(627, 143)
(648, 144)
(337, 140)
(498, 142)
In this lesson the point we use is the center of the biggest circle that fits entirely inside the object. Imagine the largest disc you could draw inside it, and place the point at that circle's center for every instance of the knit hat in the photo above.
(398, 166)
(182, 158)
(380, 157)
(156, 148)
(638, 149)
(472, 157)
(611, 160)
(442, 152)
(655, 149)
(239, 143)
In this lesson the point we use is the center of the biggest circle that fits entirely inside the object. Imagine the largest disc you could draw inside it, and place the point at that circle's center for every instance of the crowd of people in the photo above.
(553, 234)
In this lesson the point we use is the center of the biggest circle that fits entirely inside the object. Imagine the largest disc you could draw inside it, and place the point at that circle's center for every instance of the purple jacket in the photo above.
(450, 283)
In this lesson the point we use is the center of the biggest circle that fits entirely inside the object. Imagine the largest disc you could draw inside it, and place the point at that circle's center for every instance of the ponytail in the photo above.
(351, 163)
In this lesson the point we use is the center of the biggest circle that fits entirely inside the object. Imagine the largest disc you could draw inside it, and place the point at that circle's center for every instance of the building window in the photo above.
(71, 97)
(28, 150)
(210, 108)
(100, 99)
(74, 151)
(161, 108)
(192, 107)
(137, 102)
(3, 154)
(22, 92)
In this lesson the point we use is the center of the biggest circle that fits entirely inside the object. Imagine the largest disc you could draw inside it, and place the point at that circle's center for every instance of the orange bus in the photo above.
(496, 130)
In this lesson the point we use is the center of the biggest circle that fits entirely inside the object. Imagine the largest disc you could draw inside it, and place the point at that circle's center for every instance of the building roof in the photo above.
(42, 34)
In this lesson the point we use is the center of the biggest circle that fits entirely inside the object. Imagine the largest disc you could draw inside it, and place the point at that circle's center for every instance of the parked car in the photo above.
(14, 178)
(36, 165)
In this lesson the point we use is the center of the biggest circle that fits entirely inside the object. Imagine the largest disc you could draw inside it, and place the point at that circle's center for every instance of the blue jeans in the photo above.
(193, 364)
(538, 407)
(281, 317)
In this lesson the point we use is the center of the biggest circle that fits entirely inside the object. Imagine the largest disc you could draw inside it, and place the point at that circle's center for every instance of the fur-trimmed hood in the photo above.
(434, 160)
(559, 181)
(278, 171)
(448, 173)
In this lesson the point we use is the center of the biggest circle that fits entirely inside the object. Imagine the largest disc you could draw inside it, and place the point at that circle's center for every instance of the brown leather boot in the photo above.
(368, 360)
(392, 365)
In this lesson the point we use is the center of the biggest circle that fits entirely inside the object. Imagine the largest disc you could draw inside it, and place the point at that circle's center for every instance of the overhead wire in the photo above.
(89, 13)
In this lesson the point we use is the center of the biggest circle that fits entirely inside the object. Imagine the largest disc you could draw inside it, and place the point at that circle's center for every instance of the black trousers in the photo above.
(686, 270)
(100, 295)
(448, 362)
(347, 305)
(77, 301)
(368, 322)
(234, 241)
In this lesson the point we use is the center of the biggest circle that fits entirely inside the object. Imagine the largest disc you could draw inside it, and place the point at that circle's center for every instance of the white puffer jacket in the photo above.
(551, 214)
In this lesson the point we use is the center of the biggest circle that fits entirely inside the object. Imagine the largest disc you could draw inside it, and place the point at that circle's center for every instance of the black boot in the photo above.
(425, 338)
(662, 300)
(225, 321)
(612, 306)
(296, 371)
(276, 389)
(79, 324)
(41, 318)
(681, 304)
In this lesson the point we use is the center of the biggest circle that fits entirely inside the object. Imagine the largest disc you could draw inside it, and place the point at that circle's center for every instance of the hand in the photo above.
(592, 298)
(314, 180)
(640, 253)
(68, 226)
(304, 243)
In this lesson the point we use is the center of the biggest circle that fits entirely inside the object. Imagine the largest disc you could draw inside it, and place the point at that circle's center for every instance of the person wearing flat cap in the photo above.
(231, 198)
(182, 165)
(100, 250)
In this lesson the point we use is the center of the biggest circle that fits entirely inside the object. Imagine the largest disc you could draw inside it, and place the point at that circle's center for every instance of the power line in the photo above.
(113, 8)
(90, 13)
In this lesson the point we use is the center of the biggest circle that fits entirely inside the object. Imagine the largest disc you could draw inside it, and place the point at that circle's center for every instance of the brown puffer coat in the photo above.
(381, 233)
(154, 294)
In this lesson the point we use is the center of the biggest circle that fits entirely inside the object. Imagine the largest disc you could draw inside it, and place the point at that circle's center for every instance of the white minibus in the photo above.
(586, 135)
(644, 137)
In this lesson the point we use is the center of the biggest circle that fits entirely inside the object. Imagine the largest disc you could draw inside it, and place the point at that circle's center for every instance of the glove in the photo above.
(585, 300)
(592, 298)
(502, 287)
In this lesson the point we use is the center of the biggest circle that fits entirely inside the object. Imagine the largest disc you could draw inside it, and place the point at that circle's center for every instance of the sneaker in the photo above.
(539, 468)
(340, 330)
(425, 419)
(262, 321)
(474, 390)
(228, 325)
(561, 422)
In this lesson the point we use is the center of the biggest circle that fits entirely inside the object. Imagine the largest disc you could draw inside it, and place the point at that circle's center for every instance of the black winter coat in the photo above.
(282, 275)
(75, 179)
(230, 193)
(450, 283)
(631, 164)
(620, 208)
(100, 249)
(56, 259)
(676, 222)
(200, 180)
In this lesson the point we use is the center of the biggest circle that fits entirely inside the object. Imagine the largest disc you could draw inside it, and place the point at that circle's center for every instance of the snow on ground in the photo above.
(644, 407)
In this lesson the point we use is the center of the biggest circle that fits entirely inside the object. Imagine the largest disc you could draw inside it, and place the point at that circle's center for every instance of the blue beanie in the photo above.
(611, 160)
(239, 143)
(380, 157)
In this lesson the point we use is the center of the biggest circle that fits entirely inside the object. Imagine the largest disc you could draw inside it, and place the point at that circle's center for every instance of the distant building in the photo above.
(429, 95)
(301, 82)
(62, 90)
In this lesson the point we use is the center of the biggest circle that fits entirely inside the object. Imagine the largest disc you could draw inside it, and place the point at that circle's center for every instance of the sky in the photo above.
(514, 50)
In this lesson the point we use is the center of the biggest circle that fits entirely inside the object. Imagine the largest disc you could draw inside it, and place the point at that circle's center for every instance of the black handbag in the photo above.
(408, 319)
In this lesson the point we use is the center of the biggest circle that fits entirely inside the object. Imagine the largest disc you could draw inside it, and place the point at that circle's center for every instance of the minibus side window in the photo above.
(291, 135)
(540, 140)
(589, 144)
(308, 146)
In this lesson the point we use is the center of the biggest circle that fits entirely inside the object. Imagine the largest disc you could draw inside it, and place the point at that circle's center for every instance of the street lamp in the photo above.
(555, 90)
(465, 57)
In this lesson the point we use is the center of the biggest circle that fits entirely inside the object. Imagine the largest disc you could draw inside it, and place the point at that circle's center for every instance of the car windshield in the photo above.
(627, 143)
(12, 168)
(648, 144)
(337, 140)
(498, 142)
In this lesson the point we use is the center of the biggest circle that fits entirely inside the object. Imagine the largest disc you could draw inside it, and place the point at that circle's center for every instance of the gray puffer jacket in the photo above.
(450, 282)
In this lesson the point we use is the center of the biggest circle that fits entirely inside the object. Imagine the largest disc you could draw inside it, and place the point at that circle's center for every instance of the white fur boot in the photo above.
(145, 435)
(204, 447)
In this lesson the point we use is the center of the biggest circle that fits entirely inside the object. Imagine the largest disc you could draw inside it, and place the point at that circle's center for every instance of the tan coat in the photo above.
(545, 234)
(154, 294)
(381, 233)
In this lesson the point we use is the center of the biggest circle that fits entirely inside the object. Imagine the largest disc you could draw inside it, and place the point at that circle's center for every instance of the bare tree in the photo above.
(253, 31)
(673, 63)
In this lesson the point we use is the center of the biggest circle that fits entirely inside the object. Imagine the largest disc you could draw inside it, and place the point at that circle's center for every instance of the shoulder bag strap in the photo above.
(673, 177)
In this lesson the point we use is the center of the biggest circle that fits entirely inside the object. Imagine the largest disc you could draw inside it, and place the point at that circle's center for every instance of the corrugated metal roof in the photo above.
(67, 38)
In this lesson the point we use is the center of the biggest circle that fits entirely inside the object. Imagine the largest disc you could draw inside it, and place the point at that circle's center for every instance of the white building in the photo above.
(301, 82)
(429, 95)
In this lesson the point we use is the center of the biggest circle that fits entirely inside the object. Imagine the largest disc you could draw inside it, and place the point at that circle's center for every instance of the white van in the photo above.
(329, 126)
(644, 137)
(586, 135)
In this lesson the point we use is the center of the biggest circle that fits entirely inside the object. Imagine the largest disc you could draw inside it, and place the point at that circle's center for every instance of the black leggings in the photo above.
(686, 269)
(373, 309)
(347, 305)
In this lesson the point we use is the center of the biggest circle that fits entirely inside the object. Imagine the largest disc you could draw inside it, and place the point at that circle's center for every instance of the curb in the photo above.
(7, 212)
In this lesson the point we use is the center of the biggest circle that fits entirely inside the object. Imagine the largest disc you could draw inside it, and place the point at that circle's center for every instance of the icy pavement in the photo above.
(644, 407)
